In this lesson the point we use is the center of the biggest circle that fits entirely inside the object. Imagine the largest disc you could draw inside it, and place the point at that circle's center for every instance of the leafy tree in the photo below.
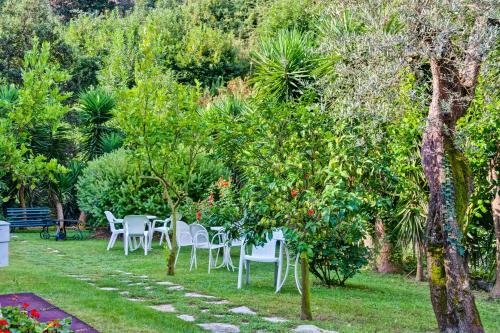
(68, 9)
(411, 188)
(162, 121)
(479, 132)
(20, 22)
(39, 106)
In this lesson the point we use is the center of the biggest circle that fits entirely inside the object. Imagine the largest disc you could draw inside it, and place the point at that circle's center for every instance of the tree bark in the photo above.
(172, 253)
(82, 218)
(305, 308)
(449, 178)
(495, 212)
(383, 263)
(419, 276)
(22, 196)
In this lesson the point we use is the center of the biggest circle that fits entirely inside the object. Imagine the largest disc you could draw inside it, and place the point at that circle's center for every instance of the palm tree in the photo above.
(95, 109)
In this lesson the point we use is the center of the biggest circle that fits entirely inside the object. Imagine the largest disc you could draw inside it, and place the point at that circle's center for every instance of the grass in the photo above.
(369, 303)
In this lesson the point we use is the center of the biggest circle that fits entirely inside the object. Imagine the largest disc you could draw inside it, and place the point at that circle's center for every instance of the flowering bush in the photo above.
(21, 320)
(219, 208)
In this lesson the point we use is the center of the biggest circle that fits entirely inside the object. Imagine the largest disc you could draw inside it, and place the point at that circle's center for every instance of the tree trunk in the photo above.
(82, 218)
(305, 308)
(383, 263)
(449, 178)
(22, 196)
(172, 253)
(419, 276)
(495, 212)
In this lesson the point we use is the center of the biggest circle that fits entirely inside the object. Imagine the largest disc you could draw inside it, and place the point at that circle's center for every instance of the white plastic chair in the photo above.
(201, 240)
(163, 228)
(183, 238)
(114, 231)
(135, 227)
(265, 253)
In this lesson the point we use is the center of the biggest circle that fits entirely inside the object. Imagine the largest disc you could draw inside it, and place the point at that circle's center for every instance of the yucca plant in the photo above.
(95, 109)
(111, 142)
(8, 97)
(412, 214)
(284, 65)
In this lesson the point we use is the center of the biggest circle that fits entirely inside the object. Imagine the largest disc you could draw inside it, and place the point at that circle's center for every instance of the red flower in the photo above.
(198, 216)
(310, 212)
(34, 313)
(294, 192)
(55, 323)
(3, 322)
(25, 305)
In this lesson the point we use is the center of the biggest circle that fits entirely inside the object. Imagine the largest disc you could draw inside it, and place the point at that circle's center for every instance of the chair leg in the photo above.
(125, 244)
(279, 266)
(276, 274)
(193, 259)
(177, 255)
(167, 238)
(161, 238)
(111, 242)
(248, 271)
(146, 245)
(209, 260)
(240, 273)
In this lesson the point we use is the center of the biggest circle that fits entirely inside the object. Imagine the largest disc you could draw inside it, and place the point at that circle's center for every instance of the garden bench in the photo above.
(41, 217)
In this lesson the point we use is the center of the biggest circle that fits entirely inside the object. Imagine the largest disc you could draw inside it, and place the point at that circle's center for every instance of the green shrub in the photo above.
(112, 182)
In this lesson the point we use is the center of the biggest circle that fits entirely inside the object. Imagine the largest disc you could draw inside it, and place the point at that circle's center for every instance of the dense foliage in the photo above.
(302, 115)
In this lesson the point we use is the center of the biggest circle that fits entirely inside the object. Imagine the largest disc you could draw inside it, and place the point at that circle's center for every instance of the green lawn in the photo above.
(369, 303)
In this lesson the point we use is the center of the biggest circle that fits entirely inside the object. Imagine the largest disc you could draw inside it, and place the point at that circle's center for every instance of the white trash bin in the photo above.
(4, 243)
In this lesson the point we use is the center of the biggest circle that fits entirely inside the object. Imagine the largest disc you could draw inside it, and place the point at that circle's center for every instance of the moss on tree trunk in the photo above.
(449, 178)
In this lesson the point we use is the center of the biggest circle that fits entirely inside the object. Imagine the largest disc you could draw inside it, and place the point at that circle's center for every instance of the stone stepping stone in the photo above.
(163, 307)
(148, 288)
(84, 279)
(243, 310)
(310, 329)
(176, 288)
(196, 295)
(186, 317)
(136, 299)
(136, 284)
(124, 293)
(224, 301)
(109, 289)
(275, 319)
(165, 283)
(142, 277)
(220, 328)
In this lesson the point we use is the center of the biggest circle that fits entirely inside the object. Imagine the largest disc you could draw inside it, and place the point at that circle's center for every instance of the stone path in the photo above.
(220, 328)
(216, 316)
(163, 307)
(243, 310)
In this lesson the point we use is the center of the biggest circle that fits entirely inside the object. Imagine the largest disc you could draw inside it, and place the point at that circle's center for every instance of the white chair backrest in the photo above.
(183, 234)
(268, 249)
(135, 224)
(198, 233)
(111, 220)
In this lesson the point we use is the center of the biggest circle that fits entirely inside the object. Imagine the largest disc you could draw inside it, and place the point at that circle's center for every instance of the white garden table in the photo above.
(226, 257)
